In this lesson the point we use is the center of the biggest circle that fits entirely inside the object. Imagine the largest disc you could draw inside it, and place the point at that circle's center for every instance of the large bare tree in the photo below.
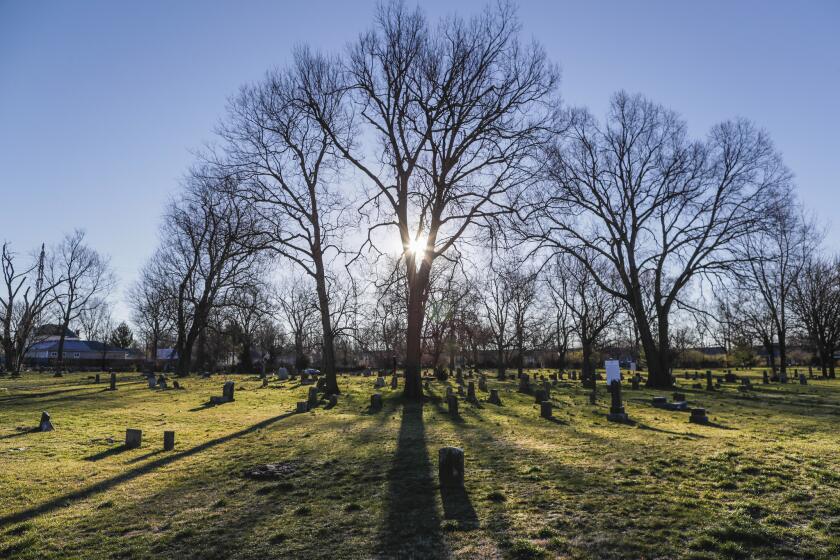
(288, 171)
(659, 208)
(453, 115)
(816, 302)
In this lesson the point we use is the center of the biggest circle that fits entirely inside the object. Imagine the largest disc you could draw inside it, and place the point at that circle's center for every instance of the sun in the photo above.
(417, 245)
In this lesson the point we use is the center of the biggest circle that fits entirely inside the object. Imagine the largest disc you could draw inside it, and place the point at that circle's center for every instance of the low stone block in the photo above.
(133, 438)
(698, 416)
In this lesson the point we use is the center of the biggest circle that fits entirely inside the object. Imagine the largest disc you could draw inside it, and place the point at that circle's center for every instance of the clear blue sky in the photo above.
(101, 102)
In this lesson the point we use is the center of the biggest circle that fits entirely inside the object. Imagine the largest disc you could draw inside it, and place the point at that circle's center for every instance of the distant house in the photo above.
(76, 352)
(166, 355)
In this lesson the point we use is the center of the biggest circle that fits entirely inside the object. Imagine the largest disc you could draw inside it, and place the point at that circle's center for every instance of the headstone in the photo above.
(802, 379)
(96, 379)
(482, 384)
(545, 409)
(524, 384)
(659, 402)
(133, 438)
(783, 376)
(301, 407)
(764, 379)
(176, 385)
(613, 370)
(367, 372)
(168, 440)
(162, 381)
(679, 397)
(593, 396)
(379, 383)
(451, 467)
(547, 389)
(460, 390)
(312, 398)
(617, 413)
(113, 386)
(452, 403)
(471, 392)
(45, 425)
(709, 386)
(635, 382)
(494, 397)
(152, 382)
(539, 396)
(282, 374)
(227, 391)
(394, 383)
(698, 416)
(375, 401)
(573, 376)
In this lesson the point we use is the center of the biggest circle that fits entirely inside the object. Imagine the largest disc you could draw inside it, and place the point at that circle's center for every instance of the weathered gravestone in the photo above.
(113, 386)
(539, 396)
(133, 438)
(802, 379)
(162, 381)
(96, 378)
(451, 467)
(709, 386)
(282, 374)
(168, 440)
(152, 382)
(494, 397)
(379, 383)
(394, 382)
(471, 392)
(783, 378)
(547, 390)
(312, 397)
(375, 401)
(45, 425)
(764, 379)
(698, 416)
(460, 390)
(301, 407)
(524, 384)
(452, 403)
(617, 413)
(546, 409)
(482, 384)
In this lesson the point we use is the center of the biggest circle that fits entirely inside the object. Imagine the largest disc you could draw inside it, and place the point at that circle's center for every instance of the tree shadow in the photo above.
(412, 523)
(103, 485)
(107, 453)
(23, 432)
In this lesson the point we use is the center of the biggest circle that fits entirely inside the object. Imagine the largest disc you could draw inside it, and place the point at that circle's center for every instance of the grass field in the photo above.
(763, 481)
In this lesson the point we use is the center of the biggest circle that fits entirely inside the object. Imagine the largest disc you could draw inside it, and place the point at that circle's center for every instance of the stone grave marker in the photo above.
(375, 401)
(617, 413)
(301, 407)
(709, 386)
(394, 382)
(113, 385)
(312, 398)
(46, 424)
(452, 403)
(524, 384)
(379, 383)
(698, 416)
(451, 467)
(133, 438)
(546, 409)
(471, 392)
(168, 440)
(494, 397)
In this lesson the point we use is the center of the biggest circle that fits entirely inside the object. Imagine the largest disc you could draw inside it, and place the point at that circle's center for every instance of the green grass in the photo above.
(762, 482)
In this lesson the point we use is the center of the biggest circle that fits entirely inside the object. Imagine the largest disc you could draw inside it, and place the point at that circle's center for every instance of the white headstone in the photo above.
(613, 371)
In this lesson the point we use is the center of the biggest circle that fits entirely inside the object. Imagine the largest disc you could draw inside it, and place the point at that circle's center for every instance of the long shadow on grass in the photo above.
(412, 524)
(106, 484)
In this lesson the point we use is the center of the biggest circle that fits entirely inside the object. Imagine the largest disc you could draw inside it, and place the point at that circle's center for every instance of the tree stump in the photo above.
(451, 467)
(168, 440)
(133, 438)
(45, 425)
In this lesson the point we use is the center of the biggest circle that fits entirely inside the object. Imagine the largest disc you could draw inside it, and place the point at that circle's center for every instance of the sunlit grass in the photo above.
(763, 481)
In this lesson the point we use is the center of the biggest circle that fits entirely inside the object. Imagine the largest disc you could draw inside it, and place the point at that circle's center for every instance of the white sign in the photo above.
(613, 371)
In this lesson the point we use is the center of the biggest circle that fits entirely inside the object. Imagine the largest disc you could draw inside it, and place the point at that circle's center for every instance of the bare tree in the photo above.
(151, 306)
(289, 172)
(592, 309)
(770, 261)
(206, 255)
(297, 303)
(558, 292)
(816, 302)
(24, 296)
(249, 308)
(657, 208)
(81, 279)
(455, 115)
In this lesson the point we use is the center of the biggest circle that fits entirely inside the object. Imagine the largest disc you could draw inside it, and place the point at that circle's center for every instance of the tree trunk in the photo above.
(328, 339)
(413, 350)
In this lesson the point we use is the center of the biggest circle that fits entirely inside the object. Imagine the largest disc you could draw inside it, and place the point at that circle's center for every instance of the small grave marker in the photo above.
(133, 438)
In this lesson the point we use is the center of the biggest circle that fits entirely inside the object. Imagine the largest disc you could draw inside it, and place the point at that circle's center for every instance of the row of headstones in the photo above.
(133, 437)
(730, 377)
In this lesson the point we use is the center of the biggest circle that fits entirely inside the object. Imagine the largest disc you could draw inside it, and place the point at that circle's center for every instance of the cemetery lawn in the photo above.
(762, 481)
